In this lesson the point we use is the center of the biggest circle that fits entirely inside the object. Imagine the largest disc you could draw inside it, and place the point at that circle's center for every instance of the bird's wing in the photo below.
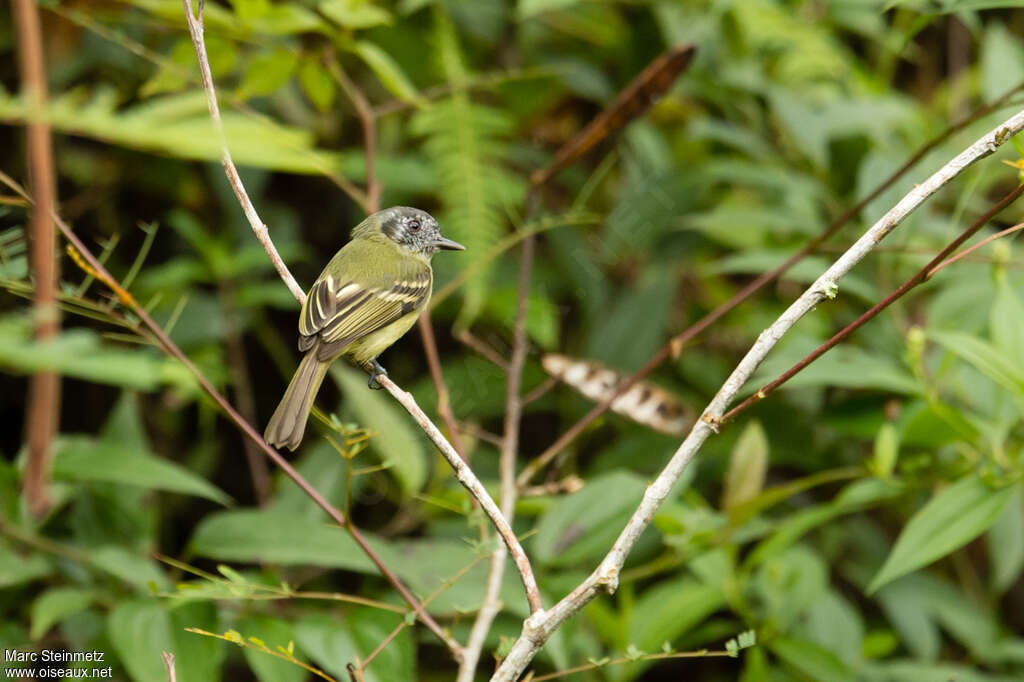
(338, 310)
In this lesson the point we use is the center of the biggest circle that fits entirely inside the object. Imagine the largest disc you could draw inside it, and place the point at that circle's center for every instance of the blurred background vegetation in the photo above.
(790, 113)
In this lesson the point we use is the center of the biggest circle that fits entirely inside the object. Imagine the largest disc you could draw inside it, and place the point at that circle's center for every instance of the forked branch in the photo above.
(540, 626)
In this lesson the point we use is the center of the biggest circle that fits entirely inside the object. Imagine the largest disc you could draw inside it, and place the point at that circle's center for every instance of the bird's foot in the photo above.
(378, 371)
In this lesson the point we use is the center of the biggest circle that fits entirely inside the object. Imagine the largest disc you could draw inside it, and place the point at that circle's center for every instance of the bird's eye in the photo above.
(414, 225)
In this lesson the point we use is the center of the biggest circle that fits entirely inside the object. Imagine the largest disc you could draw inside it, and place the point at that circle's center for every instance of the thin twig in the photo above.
(491, 604)
(921, 276)
(631, 659)
(444, 404)
(676, 343)
(539, 627)
(243, 393)
(168, 657)
(470, 340)
(172, 349)
(974, 247)
(368, 119)
(540, 390)
(195, 29)
(464, 474)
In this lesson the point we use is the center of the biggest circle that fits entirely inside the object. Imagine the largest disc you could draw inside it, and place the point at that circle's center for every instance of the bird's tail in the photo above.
(286, 427)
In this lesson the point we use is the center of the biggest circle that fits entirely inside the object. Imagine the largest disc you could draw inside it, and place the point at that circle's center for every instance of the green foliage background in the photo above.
(867, 521)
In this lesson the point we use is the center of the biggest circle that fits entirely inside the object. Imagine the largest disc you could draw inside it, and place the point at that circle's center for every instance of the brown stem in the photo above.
(676, 343)
(239, 367)
(369, 122)
(172, 349)
(919, 277)
(444, 405)
(470, 340)
(43, 408)
(968, 251)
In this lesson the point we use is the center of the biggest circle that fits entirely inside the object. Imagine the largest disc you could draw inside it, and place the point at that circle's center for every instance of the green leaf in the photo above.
(747, 466)
(844, 366)
(991, 361)
(887, 447)
(80, 458)
(16, 569)
(951, 519)
(78, 353)
(134, 568)
(812, 660)
(1006, 543)
(267, 72)
(395, 440)
(55, 605)
(528, 8)
(1002, 61)
(139, 630)
(317, 84)
(582, 526)
(666, 611)
(388, 71)
(355, 14)
(334, 643)
(273, 632)
(1006, 322)
(279, 538)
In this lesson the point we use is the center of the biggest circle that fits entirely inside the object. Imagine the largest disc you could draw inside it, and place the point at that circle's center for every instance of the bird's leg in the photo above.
(378, 371)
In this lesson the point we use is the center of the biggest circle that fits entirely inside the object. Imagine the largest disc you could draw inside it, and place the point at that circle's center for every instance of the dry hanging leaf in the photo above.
(645, 402)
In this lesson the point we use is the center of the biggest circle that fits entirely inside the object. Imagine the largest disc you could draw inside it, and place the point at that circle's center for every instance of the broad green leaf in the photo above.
(921, 671)
(273, 633)
(179, 126)
(1006, 543)
(317, 84)
(1002, 61)
(329, 641)
(288, 19)
(274, 537)
(267, 72)
(56, 604)
(527, 8)
(748, 464)
(837, 626)
(134, 568)
(395, 439)
(991, 361)
(668, 610)
(139, 630)
(388, 71)
(80, 458)
(196, 657)
(582, 526)
(951, 519)
(16, 568)
(1007, 322)
(78, 353)
(355, 14)
(843, 366)
(397, 662)
(811, 660)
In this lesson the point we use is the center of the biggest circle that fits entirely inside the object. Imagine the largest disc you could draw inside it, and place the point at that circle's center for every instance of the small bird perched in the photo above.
(367, 297)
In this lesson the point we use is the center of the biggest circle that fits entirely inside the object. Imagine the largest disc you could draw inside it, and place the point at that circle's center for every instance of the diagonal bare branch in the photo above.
(539, 627)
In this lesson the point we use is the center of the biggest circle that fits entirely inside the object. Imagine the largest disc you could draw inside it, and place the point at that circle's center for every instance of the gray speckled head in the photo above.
(410, 228)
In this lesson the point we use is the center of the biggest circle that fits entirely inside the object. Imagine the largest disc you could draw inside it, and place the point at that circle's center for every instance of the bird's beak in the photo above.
(448, 244)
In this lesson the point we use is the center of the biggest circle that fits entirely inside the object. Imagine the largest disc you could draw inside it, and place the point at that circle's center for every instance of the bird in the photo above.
(366, 298)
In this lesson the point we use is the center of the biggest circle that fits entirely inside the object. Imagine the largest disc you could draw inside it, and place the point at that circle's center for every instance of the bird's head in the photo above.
(411, 229)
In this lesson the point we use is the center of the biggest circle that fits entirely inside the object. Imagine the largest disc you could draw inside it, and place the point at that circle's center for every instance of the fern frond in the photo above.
(467, 142)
